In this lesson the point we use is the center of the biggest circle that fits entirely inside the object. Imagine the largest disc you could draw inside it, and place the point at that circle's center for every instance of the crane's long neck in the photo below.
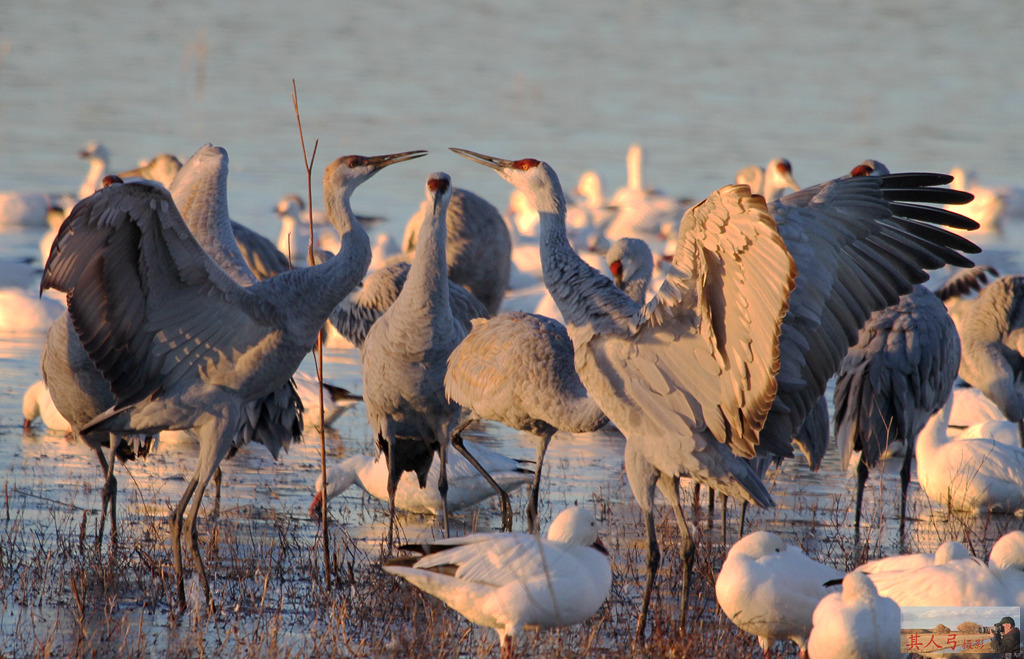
(584, 296)
(427, 283)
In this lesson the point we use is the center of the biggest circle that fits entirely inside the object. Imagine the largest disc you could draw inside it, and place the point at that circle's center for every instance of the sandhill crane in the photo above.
(992, 339)
(632, 265)
(479, 247)
(690, 378)
(404, 360)
(182, 345)
(357, 312)
(162, 168)
(509, 581)
(770, 589)
(900, 372)
(772, 182)
(517, 368)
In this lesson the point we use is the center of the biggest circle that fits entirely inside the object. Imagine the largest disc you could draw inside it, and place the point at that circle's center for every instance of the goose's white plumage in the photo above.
(690, 378)
(955, 582)
(642, 212)
(517, 368)
(35, 209)
(466, 486)
(181, 343)
(947, 551)
(1006, 561)
(99, 160)
(975, 475)
(336, 400)
(22, 312)
(36, 403)
(513, 581)
(770, 589)
(856, 623)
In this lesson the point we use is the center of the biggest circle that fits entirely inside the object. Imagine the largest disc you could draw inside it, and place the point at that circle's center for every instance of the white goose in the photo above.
(689, 378)
(513, 581)
(36, 403)
(975, 475)
(466, 486)
(856, 623)
(770, 589)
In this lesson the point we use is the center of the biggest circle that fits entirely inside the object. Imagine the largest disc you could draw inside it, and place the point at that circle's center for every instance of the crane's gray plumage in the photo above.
(405, 356)
(517, 368)
(900, 372)
(261, 255)
(479, 247)
(182, 345)
(361, 308)
(992, 338)
(691, 377)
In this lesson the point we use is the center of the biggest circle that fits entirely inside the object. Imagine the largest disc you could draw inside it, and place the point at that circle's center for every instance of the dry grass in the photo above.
(60, 595)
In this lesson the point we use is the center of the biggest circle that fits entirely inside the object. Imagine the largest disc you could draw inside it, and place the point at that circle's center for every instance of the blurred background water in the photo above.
(706, 88)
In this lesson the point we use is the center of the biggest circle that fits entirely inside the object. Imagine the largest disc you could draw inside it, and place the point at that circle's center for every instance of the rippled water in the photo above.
(706, 87)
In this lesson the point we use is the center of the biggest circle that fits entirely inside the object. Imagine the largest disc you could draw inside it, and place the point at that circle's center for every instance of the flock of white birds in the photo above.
(704, 332)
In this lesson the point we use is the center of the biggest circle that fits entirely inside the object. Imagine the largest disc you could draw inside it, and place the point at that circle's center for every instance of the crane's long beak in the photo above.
(497, 164)
(392, 158)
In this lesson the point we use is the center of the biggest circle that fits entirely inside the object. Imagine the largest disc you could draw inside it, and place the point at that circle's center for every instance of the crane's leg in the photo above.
(506, 505)
(107, 469)
(508, 650)
(1020, 432)
(711, 508)
(393, 477)
(696, 498)
(176, 521)
(218, 476)
(725, 529)
(193, 538)
(653, 561)
(442, 485)
(531, 511)
(669, 486)
(904, 486)
(862, 478)
(743, 517)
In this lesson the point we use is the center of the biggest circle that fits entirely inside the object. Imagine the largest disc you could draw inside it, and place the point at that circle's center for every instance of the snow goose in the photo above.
(514, 581)
(856, 623)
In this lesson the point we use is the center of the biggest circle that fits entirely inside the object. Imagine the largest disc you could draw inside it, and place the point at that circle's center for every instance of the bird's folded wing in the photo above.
(148, 304)
(502, 560)
(705, 349)
(858, 244)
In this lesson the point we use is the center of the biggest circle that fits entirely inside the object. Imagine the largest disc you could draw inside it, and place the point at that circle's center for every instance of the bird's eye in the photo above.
(526, 164)
(355, 161)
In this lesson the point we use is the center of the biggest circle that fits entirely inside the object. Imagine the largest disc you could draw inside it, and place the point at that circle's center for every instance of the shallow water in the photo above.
(706, 87)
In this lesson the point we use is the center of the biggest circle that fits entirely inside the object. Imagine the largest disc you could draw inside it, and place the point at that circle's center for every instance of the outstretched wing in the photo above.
(858, 243)
(148, 304)
(701, 357)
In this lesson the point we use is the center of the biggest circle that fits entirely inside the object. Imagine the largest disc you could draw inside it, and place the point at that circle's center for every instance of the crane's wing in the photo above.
(899, 373)
(147, 302)
(704, 351)
(858, 244)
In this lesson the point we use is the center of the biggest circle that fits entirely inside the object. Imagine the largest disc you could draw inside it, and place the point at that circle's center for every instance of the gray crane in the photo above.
(753, 300)
(404, 359)
(363, 306)
(479, 247)
(517, 368)
(900, 372)
(992, 338)
(182, 345)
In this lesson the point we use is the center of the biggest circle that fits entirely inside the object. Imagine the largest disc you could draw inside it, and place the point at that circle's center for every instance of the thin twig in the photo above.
(318, 354)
